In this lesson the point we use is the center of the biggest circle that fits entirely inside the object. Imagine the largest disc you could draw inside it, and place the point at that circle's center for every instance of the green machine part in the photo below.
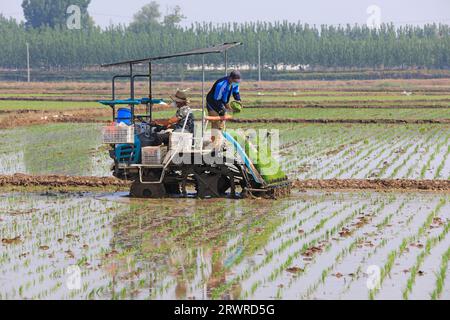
(261, 157)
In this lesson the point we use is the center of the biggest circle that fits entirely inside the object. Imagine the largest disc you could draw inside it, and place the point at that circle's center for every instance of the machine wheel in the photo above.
(118, 173)
(139, 190)
(224, 184)
(212, 185)
(207, 185)
(173, 188)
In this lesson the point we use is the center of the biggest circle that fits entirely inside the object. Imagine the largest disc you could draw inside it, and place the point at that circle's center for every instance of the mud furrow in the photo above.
(24, 118)
(350, 121)
(345, 106)
(33, 117)
(24, 180)
(415, 104)
(374, 184)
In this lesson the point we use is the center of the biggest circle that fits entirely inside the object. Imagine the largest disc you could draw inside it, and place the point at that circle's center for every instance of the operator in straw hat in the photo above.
(183, 115)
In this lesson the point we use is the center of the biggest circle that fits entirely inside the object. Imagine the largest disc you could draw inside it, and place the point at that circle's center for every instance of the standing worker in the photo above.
(218, 103)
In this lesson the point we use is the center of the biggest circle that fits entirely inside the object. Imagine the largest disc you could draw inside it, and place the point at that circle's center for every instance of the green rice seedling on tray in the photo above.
(261, 156)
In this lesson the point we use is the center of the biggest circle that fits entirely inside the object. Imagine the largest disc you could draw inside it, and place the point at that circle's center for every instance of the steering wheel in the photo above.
(142, 120)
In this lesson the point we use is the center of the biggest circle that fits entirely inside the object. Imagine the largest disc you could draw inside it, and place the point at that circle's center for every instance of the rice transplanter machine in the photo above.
(187, 166)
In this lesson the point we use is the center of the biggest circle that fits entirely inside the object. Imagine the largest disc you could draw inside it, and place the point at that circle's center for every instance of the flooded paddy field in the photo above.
(307, 151)
(367, 151)
(67, 148)
(314, 245)
(322, 244)
(349, 93)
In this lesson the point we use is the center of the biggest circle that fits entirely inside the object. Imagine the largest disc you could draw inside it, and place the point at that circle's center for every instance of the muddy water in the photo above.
(312, 245)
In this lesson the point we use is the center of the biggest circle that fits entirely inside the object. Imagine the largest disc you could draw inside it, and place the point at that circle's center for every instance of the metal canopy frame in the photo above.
(221, 48)
(214, 49)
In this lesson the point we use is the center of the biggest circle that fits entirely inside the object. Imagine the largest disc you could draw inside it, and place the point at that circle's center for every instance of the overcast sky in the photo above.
(419, 12)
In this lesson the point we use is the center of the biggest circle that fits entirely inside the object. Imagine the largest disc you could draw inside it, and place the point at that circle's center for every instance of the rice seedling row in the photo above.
(287, 251)
(133, 247)
(351, 267)
(334, 249)
(400, 250)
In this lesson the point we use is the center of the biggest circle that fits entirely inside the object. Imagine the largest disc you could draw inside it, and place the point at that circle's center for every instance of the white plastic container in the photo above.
(153, 155)
(118, 134)
(181, 142)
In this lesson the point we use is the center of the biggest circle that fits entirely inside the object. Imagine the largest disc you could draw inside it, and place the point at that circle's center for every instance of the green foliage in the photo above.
(50, 13)
(150, 34)
(148, 19)
(174, 18)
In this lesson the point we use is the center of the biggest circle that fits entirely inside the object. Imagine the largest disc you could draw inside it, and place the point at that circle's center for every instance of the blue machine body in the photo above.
(128, 153)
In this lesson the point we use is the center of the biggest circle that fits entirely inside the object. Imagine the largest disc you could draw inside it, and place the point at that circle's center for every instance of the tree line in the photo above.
(53, 45)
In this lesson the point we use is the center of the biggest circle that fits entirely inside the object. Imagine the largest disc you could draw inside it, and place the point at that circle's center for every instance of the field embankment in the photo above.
(375, 184)
(61, 181)
(24, 117)
(353, 93)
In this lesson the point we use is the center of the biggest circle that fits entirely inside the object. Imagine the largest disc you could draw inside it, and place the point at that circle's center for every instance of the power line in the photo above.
(28, 62)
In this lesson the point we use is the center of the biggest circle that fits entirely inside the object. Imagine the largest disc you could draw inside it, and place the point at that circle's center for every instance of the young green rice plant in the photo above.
(428, 143)
(440, 168)
(394, 254)
(430, 243)
(268, 258)
(437, 150)
(314, 242)
(342, 165)
(329, 141)
(406, 143)
(382, 243)
(345, 251)
(404, 162)
(441, 275)
(385, 164)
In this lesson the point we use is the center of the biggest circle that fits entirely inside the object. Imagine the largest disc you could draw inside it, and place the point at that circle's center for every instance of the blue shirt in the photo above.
(220, 95)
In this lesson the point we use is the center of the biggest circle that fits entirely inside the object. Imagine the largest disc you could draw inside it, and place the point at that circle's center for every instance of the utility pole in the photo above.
(259, 60)
(28, 62)
(203, 98)
(226, 62)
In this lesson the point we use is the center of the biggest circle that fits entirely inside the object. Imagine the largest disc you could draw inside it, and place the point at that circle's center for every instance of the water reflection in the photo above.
(197, 249)
(185, 249)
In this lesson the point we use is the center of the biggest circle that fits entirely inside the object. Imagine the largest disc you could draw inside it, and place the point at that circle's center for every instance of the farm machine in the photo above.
(187, 165)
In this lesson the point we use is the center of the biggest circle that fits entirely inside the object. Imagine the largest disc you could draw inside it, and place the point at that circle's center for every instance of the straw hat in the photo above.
(180, 96)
